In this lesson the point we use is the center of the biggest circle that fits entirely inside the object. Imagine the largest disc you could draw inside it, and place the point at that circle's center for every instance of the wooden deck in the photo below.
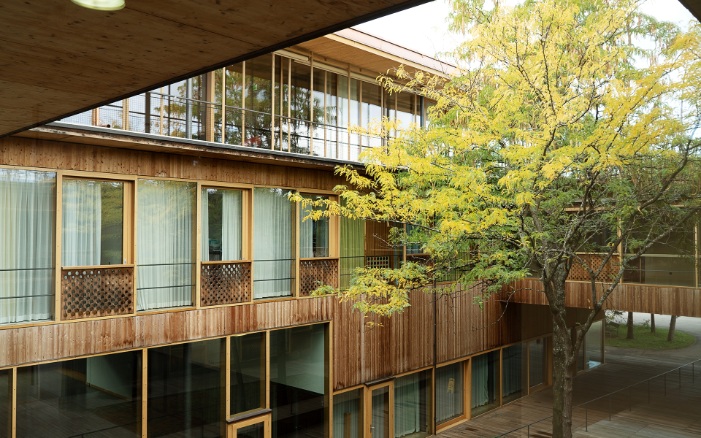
(665, 407)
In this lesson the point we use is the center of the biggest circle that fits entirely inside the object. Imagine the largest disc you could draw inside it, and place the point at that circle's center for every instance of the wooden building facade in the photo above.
(155, 279)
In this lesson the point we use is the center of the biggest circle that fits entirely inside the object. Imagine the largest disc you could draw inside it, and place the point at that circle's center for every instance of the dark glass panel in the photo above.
(348, 414)
(513, 376)
(258, 101)
(5, 404)
(247, 372)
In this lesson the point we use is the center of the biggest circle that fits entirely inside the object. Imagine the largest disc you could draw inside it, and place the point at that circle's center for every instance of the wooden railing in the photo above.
(97, 291)
(316, 272)
(225, 283)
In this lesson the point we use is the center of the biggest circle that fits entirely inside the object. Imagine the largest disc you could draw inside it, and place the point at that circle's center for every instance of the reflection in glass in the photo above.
(298, 381)
(449, 392)
(347, 414)
(93, 213)
(96, 396)
(379, 426)
(258, 102)
(185, 392)
(221, 224)
(247, 372)
(253, 431)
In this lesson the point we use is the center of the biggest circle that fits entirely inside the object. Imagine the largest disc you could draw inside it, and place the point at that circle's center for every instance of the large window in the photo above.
(164, 245)
(298, 381)
(185, 390)
(485, 382)
(347, 414)
(412, 408)
(314, 234)
(221, 224)
(449, 392)
(96, 396)
(273, 237)
(27, 222)
(247, 372)
(5, 401)
(513, 374)
(93, 223)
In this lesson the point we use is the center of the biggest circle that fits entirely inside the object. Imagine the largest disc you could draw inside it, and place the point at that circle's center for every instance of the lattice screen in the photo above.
(578, 273)
(96, 292)
(226, 283)
(314, 273)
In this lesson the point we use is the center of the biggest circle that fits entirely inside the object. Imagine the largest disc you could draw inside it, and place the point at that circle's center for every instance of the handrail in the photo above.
(629, 387)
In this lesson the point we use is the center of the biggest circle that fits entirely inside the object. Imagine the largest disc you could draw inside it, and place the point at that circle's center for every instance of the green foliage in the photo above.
(645, 340)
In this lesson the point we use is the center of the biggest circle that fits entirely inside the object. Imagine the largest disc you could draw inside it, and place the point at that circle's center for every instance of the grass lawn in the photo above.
(650, 341)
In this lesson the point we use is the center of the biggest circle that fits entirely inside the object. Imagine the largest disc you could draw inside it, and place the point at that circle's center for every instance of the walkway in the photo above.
(666, 407)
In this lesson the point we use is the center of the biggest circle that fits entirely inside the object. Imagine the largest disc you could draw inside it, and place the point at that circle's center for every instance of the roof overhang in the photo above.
(694, 6)
(58, 59)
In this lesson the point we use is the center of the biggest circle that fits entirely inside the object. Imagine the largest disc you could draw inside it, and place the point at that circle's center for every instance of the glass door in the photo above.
(257, 427)
(380, 401)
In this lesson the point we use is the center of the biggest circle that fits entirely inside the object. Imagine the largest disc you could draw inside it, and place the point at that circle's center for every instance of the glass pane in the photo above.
(371, 113)
(449, 392)
(320, 114)
(247, 372)
(412, 405)
(314, 234)
(536, 371)
(273, 252)
(514, 372)
(593, 347)
(352, 248)
(253, 431)
(347, 415)
(92, 397)
(5, 405)
(258, 101)
(164, 244)
(185, 392)
(234, 104)
(379, 426)
(221, 224)
(93, 213)
(27, 226)
(485, 382)
(298, 381)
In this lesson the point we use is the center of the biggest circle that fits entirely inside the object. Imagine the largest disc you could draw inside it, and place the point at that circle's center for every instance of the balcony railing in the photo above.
(317, 272)
(225, 283)
(97, 291)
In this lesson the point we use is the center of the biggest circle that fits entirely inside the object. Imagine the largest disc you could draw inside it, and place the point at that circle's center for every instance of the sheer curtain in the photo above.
(512, 371)
(346, 415)
(407, 405)
(480, 378)
(273, 254)
(82, 223)
(164, 244)
(449, 395)
(28, 201)
(231, 225)
(352, 248)
(313, 234)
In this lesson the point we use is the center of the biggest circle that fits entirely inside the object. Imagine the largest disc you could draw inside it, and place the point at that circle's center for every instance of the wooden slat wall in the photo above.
(663, 300)
(26, 152)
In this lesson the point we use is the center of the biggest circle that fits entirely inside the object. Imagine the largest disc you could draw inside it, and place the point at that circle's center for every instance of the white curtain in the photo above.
(273, 255)
(204, 233)
(82, 223)
(27, 215)
(306, 234)
(449, 395)
(512, 371)
(407, 405)
(231, 225)
(164, 244)
(346, 415)
(352, 248)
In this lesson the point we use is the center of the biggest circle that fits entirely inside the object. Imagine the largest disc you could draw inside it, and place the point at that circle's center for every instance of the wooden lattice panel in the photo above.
(377, 261)
(314, 273)
(578, 273)
(225, 283)
(93, 292)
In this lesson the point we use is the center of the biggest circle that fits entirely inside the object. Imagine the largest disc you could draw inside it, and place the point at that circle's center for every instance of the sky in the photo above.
(424, 29)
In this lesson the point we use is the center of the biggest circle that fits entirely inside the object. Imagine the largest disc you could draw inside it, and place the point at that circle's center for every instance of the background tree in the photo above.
(559, 136)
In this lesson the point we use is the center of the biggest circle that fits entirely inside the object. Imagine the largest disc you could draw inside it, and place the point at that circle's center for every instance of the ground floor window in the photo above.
(513, 374)
(412, 405)
(485, 382)
(96, 396)
(5, 397)
(347, 414)
(247, 372)
(536, 362)
(449, 392)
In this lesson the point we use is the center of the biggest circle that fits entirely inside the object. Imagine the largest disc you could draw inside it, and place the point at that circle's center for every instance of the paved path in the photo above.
(666, 407)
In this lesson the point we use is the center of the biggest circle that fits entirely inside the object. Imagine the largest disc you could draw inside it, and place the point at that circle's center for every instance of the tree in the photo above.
(672, 328)
(630, 332)
(570, 129)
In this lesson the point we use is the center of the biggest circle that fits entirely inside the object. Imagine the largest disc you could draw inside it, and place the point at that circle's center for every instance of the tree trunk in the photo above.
(563, 379)
(652, 323)
(672, 328)
(630, 334)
